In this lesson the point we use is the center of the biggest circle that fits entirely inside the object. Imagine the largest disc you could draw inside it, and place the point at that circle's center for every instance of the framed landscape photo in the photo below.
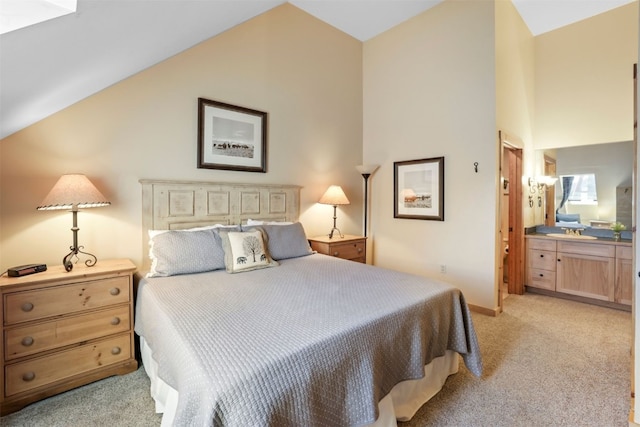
(418, 189)
(231, 137)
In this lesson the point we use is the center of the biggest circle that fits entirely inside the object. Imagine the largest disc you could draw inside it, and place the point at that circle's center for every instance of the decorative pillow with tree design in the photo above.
(244, 251)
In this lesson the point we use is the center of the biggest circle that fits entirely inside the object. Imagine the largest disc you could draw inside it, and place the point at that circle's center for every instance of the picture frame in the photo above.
(418, 189)
(231, 137)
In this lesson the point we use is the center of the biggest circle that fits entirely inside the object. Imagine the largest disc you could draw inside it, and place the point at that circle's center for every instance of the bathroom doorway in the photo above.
(511, 236)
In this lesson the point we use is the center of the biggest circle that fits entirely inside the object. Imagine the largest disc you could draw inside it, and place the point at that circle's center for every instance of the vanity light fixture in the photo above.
(334, 196)
(547, 181)
(541, 183)
(72, 192)
(534, 187)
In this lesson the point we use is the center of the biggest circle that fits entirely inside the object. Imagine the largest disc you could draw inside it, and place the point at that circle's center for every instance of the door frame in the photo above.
(550, 193)
(515, 262)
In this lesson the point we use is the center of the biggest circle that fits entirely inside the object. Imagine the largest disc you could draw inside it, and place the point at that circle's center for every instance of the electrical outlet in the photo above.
(443, 268)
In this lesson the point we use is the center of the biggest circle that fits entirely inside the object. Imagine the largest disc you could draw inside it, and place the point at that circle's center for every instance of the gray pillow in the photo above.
(567, 217)
(182, 252)
(285, 241)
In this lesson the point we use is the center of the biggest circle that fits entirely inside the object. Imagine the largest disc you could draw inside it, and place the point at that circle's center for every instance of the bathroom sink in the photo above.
(572, 236)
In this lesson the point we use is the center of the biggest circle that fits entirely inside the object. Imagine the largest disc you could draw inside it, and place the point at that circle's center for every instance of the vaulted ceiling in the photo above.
(51, 65)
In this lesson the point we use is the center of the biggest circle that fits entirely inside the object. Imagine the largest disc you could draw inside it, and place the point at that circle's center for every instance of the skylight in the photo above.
(16, 14)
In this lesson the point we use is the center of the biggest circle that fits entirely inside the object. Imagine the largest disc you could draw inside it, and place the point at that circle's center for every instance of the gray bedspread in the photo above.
(316, 341)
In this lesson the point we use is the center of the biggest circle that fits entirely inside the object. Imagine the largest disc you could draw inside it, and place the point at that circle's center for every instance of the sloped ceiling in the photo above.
(44, 68)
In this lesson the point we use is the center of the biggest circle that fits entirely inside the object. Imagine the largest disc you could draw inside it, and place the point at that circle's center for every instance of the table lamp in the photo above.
(72, 192)
(334, 196)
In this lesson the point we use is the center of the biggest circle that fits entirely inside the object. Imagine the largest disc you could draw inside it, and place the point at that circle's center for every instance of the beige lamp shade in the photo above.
(334, 196)
(73, 191)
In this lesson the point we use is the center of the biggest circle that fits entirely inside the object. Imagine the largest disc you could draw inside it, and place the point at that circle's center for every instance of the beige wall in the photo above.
(584, 80)
(515, 91)
(429, 91)
(304, 73)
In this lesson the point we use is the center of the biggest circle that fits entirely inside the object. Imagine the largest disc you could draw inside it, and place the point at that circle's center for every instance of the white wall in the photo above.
(306, 74)
(429, 91)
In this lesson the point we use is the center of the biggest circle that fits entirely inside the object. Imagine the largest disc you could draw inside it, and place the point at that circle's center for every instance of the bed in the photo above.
(285, 336)
(564, 220)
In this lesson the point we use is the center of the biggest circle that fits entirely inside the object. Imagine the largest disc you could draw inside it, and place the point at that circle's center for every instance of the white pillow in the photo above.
(245, 250)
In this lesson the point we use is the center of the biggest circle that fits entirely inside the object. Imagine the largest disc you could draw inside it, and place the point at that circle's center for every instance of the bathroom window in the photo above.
(583, 190)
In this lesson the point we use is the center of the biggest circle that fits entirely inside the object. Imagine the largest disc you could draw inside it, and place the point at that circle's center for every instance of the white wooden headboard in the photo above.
(175, 205)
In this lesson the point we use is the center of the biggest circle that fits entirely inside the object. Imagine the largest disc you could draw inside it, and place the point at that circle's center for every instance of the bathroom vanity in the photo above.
(583, 268)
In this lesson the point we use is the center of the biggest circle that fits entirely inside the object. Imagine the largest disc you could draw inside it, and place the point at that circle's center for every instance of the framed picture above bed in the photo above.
(418, 189)
(231, 137)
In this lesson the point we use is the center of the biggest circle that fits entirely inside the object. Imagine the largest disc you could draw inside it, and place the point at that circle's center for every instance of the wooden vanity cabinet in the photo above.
(623, 292)
(586, 270)
(589, 270)
(541, 263)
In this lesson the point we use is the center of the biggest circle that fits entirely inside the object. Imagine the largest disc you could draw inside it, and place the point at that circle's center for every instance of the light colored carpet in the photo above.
(547, 361)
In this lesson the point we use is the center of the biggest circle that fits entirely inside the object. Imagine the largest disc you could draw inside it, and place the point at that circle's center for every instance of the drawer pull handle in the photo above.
(359, 250)
(114, 291)
(28, 376)
(115, 350)
(335, 254)
(27, 307)
(27, 341)
(541, 275)
(115, 321)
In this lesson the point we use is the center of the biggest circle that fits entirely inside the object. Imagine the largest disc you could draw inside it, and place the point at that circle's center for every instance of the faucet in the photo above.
(573, 231)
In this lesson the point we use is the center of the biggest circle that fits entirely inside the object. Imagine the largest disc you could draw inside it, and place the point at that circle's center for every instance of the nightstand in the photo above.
(62, 330)
(349, 247)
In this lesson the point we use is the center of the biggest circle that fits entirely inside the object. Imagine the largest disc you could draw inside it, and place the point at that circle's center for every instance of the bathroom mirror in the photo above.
(612, 165)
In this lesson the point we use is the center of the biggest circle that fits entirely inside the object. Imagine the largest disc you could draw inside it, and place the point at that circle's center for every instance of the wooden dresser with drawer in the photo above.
(353, 248)
(61, 330)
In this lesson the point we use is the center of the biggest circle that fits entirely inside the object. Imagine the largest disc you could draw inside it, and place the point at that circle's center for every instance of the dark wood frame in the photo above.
(259, 120)
(437, 188)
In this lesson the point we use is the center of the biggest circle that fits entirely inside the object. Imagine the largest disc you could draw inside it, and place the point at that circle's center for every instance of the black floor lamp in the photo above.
(366, 171)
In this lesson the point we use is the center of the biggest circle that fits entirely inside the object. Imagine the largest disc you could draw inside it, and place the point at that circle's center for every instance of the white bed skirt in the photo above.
(400, 404)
